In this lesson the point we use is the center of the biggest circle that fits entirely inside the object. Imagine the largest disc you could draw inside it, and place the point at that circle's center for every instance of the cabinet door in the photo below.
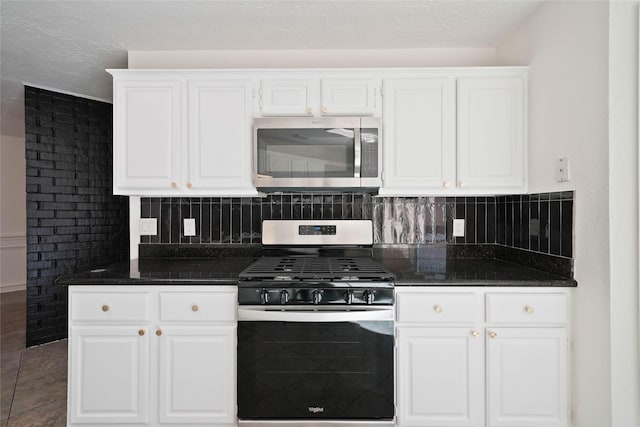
(219, 148)
(440, 377)
(147, 136)
(197, 374)
(109, 374)
(527, 377)
(288, 97)
(419, 144)
(348, 97)
(491, 133)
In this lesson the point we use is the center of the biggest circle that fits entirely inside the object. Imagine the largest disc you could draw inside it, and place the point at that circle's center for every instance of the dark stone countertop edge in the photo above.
(561, 283)
(71, 281)
(118, 274)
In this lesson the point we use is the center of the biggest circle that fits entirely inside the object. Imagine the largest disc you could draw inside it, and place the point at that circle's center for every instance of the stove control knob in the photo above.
(317, 296)
(348, 296)
(368, 296)
(264, 296)
(284, 297)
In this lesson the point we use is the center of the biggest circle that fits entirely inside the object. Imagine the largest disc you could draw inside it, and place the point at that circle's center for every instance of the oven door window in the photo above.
(341, 370)
(306, 153)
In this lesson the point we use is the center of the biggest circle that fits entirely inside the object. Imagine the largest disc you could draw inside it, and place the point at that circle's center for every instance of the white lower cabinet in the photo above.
(152, 355)
(440, 373)
(109, 375)
(478, 357)
(189, 395)
(527, 377)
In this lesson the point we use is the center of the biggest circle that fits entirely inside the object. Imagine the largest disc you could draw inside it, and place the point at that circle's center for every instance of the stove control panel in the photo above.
(317, 230)
(313, 295)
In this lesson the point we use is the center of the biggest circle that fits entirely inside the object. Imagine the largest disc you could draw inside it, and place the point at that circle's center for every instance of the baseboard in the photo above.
(12, 288)
(13, 241)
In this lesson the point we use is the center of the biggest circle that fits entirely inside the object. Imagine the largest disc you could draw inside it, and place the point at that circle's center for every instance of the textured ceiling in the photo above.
(66, 45)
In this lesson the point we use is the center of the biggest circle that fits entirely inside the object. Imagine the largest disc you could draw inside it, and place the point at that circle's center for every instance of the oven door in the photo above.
(316, 363)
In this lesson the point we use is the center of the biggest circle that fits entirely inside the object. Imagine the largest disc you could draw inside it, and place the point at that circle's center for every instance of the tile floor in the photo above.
(34, 381)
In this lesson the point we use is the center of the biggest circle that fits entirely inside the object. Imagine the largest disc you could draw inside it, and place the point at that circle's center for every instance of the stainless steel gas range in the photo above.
(315, 329)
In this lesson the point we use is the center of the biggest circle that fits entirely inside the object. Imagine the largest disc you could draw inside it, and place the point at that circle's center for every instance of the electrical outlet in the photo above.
(148, 226)
(562, 169)
(458, 227)
(189, 227)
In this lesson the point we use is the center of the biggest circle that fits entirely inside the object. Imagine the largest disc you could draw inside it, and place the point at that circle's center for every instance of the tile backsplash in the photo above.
(541, 223)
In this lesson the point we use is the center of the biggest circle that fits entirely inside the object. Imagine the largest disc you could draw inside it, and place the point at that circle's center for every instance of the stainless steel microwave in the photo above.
(308, 153)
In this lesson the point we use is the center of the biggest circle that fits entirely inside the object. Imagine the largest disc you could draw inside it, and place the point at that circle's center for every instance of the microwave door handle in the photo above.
(357, 149)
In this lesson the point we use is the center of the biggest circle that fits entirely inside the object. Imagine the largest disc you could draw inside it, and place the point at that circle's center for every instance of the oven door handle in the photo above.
(300, 315)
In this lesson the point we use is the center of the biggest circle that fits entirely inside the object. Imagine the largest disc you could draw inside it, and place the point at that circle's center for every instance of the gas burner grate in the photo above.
(316, 268)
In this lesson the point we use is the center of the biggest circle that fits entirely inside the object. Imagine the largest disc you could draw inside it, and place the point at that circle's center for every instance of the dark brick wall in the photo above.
(74, 223)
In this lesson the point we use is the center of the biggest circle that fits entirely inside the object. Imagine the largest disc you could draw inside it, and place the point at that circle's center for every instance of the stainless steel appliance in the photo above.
(315, 329)
(312, 153)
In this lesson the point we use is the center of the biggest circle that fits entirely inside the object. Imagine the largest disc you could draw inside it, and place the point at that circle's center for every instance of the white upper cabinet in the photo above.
(288, 97)
(344, 97)
(491, 133)
(219, 145)
(460, 132)
(147, 134)
(446, 131)
(181, 134)
(318, 97)
(419, 138)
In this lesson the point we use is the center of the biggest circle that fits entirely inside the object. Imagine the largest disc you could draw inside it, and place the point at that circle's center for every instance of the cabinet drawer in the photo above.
(198, 306)
(106, 306)
(436, 307)
(527, 308)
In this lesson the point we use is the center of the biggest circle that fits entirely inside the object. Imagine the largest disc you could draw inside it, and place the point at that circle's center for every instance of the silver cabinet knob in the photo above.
(438, 308)
(528, 309)
(475, 334)
(493, 335)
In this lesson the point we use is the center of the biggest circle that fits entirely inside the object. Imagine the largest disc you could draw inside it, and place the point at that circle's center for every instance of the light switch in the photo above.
(148, 226)
(458, 227)
(189, 226)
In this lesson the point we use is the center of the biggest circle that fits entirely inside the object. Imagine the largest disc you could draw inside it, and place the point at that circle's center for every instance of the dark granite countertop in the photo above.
(164, 271)
(469, 272)
(409, 271)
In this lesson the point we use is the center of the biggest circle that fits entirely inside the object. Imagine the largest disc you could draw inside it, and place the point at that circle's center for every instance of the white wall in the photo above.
(623, 211)
(12, 214)
(308, 58)
(566, 45)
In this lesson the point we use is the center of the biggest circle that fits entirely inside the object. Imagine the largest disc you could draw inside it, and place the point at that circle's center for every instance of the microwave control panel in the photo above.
(369, 154)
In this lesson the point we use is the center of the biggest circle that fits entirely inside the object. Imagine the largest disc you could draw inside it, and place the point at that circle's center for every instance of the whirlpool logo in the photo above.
(315, 409)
